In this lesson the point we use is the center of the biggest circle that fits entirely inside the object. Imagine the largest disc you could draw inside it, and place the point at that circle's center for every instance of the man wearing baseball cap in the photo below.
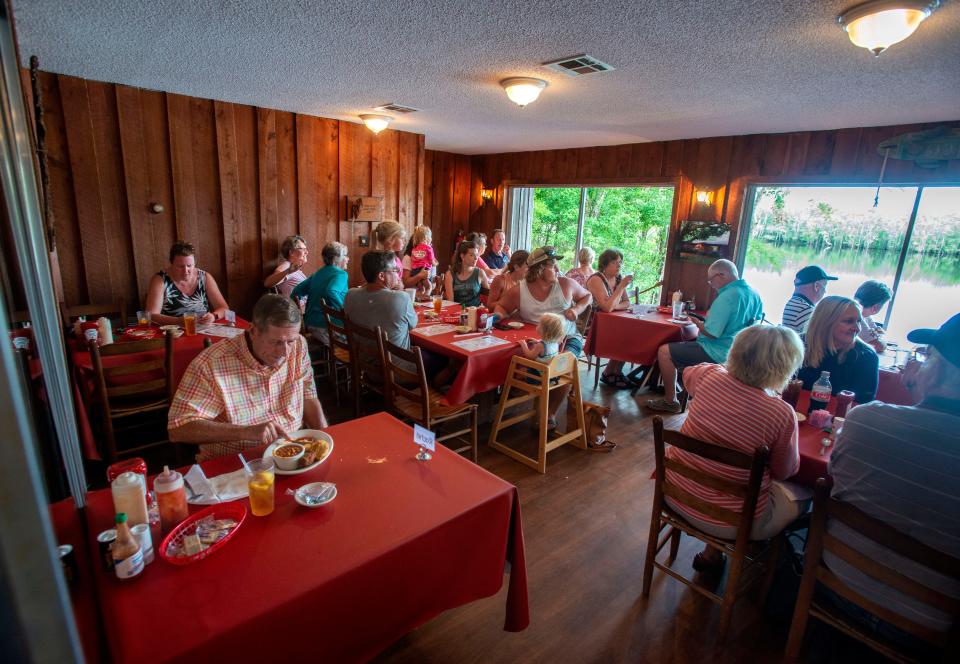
(809, 287)
(901, 464)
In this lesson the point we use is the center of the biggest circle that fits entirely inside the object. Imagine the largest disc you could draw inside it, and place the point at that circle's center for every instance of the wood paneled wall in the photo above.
(447, 195)
(727, 165)
(233, 179)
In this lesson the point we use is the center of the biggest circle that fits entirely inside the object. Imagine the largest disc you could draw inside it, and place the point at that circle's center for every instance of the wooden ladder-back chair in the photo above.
(814, 570)
(367, 366)
(114, 311)
(410, 398)
(339, 360)
(319, 352)
(119, 399)
(746, 557)
(535, 380)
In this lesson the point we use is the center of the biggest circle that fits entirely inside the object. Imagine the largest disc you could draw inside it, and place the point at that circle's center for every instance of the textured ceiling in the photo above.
(684, 69)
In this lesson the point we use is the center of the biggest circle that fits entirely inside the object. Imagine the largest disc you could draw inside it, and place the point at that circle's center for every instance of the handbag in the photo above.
(595, 421)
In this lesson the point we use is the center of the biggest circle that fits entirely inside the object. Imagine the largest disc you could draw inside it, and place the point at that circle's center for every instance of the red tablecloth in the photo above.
(634, 338)
(480, 370)
(402, 542)
(184, 350)
(813, 464)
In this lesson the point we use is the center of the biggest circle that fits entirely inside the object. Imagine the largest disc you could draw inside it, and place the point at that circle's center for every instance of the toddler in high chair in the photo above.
(551, 330)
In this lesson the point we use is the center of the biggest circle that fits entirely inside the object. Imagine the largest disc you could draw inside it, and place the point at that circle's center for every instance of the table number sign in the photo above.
(427, 440)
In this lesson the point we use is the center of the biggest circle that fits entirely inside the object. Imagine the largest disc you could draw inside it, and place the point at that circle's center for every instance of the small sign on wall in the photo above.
(365, 208)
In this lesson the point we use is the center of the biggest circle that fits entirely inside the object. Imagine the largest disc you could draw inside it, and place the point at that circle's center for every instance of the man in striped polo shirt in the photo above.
(901, 464)
(809, 287)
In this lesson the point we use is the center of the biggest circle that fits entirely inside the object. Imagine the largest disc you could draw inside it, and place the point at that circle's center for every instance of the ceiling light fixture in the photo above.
(376, 123)
(522, 90)
(879, 24)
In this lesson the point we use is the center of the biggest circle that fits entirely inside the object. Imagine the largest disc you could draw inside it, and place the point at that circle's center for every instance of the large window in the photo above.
(634, 220)
(910, 240)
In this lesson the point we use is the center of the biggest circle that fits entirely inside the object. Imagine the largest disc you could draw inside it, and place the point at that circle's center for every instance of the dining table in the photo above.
(403, 541)
(483, 365)
(635, 337)
(185, 349)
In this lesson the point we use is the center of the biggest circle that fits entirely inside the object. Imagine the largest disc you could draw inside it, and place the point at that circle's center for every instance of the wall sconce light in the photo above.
(487, 194)
(704, 197)
(523, 90)
(878, 24)
(376, 123)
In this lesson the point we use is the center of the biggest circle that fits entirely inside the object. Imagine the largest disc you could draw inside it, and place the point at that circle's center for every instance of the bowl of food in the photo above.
(462, 329)
(317, 447)
(288, 455)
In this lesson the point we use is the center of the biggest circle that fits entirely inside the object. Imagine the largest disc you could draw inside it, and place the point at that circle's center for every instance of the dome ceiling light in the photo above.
(522, 90)
(376, 123)
(879, 24)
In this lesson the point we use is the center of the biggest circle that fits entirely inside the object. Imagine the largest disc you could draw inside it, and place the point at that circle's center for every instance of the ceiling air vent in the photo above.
(578, 65)
(393, 107)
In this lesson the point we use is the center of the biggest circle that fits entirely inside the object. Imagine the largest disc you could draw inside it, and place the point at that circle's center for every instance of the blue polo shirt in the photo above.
(737, 306)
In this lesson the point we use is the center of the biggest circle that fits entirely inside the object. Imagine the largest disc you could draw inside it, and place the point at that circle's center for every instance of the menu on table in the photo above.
(222, 331)
(479, 343)
(434, 330)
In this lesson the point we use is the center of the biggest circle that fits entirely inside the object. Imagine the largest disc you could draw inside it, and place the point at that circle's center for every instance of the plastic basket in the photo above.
(235, 510)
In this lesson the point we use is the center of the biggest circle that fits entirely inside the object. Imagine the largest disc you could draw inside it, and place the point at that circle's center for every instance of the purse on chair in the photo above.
(595, 420)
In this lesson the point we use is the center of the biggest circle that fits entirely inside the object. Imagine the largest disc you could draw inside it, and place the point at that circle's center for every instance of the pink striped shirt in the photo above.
(726, 412)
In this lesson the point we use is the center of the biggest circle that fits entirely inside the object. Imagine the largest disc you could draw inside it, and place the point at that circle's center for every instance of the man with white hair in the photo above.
(901, 464)
(737, 306)
(809, 287)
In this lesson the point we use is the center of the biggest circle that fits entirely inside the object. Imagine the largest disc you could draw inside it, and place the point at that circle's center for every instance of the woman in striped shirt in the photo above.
(737, 406)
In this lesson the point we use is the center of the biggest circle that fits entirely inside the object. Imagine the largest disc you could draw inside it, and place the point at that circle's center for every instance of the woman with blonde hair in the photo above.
(737, 406)
(392, 237)
(584, 269)
(833, 345)
(512, 275)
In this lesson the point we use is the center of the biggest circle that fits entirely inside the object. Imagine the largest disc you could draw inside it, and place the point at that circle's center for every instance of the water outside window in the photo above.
(634, 220)
(839, 229)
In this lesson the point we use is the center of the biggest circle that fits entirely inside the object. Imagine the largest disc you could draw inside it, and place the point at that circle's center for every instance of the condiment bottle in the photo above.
(106, 331)
(127, 556)
(821, 392)
(130, 497)
(171, 497)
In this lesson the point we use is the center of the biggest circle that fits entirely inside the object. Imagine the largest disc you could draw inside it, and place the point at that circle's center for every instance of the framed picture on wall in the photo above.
(703, 240)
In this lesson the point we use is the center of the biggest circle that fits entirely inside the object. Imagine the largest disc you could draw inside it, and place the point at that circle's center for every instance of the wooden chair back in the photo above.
(749, 492)
(745, 556)
(437, 287)
(115, 310)
(819, 540)
(367, 363)
(118, 399)
(336, 327)
(400, 381)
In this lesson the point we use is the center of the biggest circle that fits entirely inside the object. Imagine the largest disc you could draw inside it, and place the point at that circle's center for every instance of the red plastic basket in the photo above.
(235, 510)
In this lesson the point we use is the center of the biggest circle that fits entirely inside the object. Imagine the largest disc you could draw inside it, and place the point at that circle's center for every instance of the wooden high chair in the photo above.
(535, 380)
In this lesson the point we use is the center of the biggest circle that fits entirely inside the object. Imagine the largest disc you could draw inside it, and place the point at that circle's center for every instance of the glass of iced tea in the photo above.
(437, 304)
(190, 324)
(143, 318)
(260, 480)
(791, 393)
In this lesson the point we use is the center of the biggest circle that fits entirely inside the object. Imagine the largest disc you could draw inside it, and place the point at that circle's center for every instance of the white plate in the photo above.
(297, 496)
(680, 321)
(313, 433)
(515, 325)
(169, 327)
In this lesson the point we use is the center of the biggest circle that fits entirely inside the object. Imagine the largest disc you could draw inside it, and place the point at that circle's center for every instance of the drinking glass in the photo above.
(437, 304)
(260, 481)
(791, 393)
(678, 312)
(143, 318)
(190, 324)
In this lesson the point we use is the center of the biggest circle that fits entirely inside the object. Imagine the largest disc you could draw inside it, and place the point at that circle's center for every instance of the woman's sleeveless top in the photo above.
(531, 309)
(606, 286)
(467, 292)
(175, 303)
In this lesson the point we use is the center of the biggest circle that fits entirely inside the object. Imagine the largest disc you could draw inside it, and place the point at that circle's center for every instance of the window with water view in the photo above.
(840, 229)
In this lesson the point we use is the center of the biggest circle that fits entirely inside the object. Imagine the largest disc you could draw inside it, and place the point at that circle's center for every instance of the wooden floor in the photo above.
(585, 525)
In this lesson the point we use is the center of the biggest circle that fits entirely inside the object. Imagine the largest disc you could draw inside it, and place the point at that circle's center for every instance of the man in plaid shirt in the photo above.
(249, 390)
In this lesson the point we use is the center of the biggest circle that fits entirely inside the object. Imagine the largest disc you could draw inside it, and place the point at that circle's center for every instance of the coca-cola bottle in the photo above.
(820, 393)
